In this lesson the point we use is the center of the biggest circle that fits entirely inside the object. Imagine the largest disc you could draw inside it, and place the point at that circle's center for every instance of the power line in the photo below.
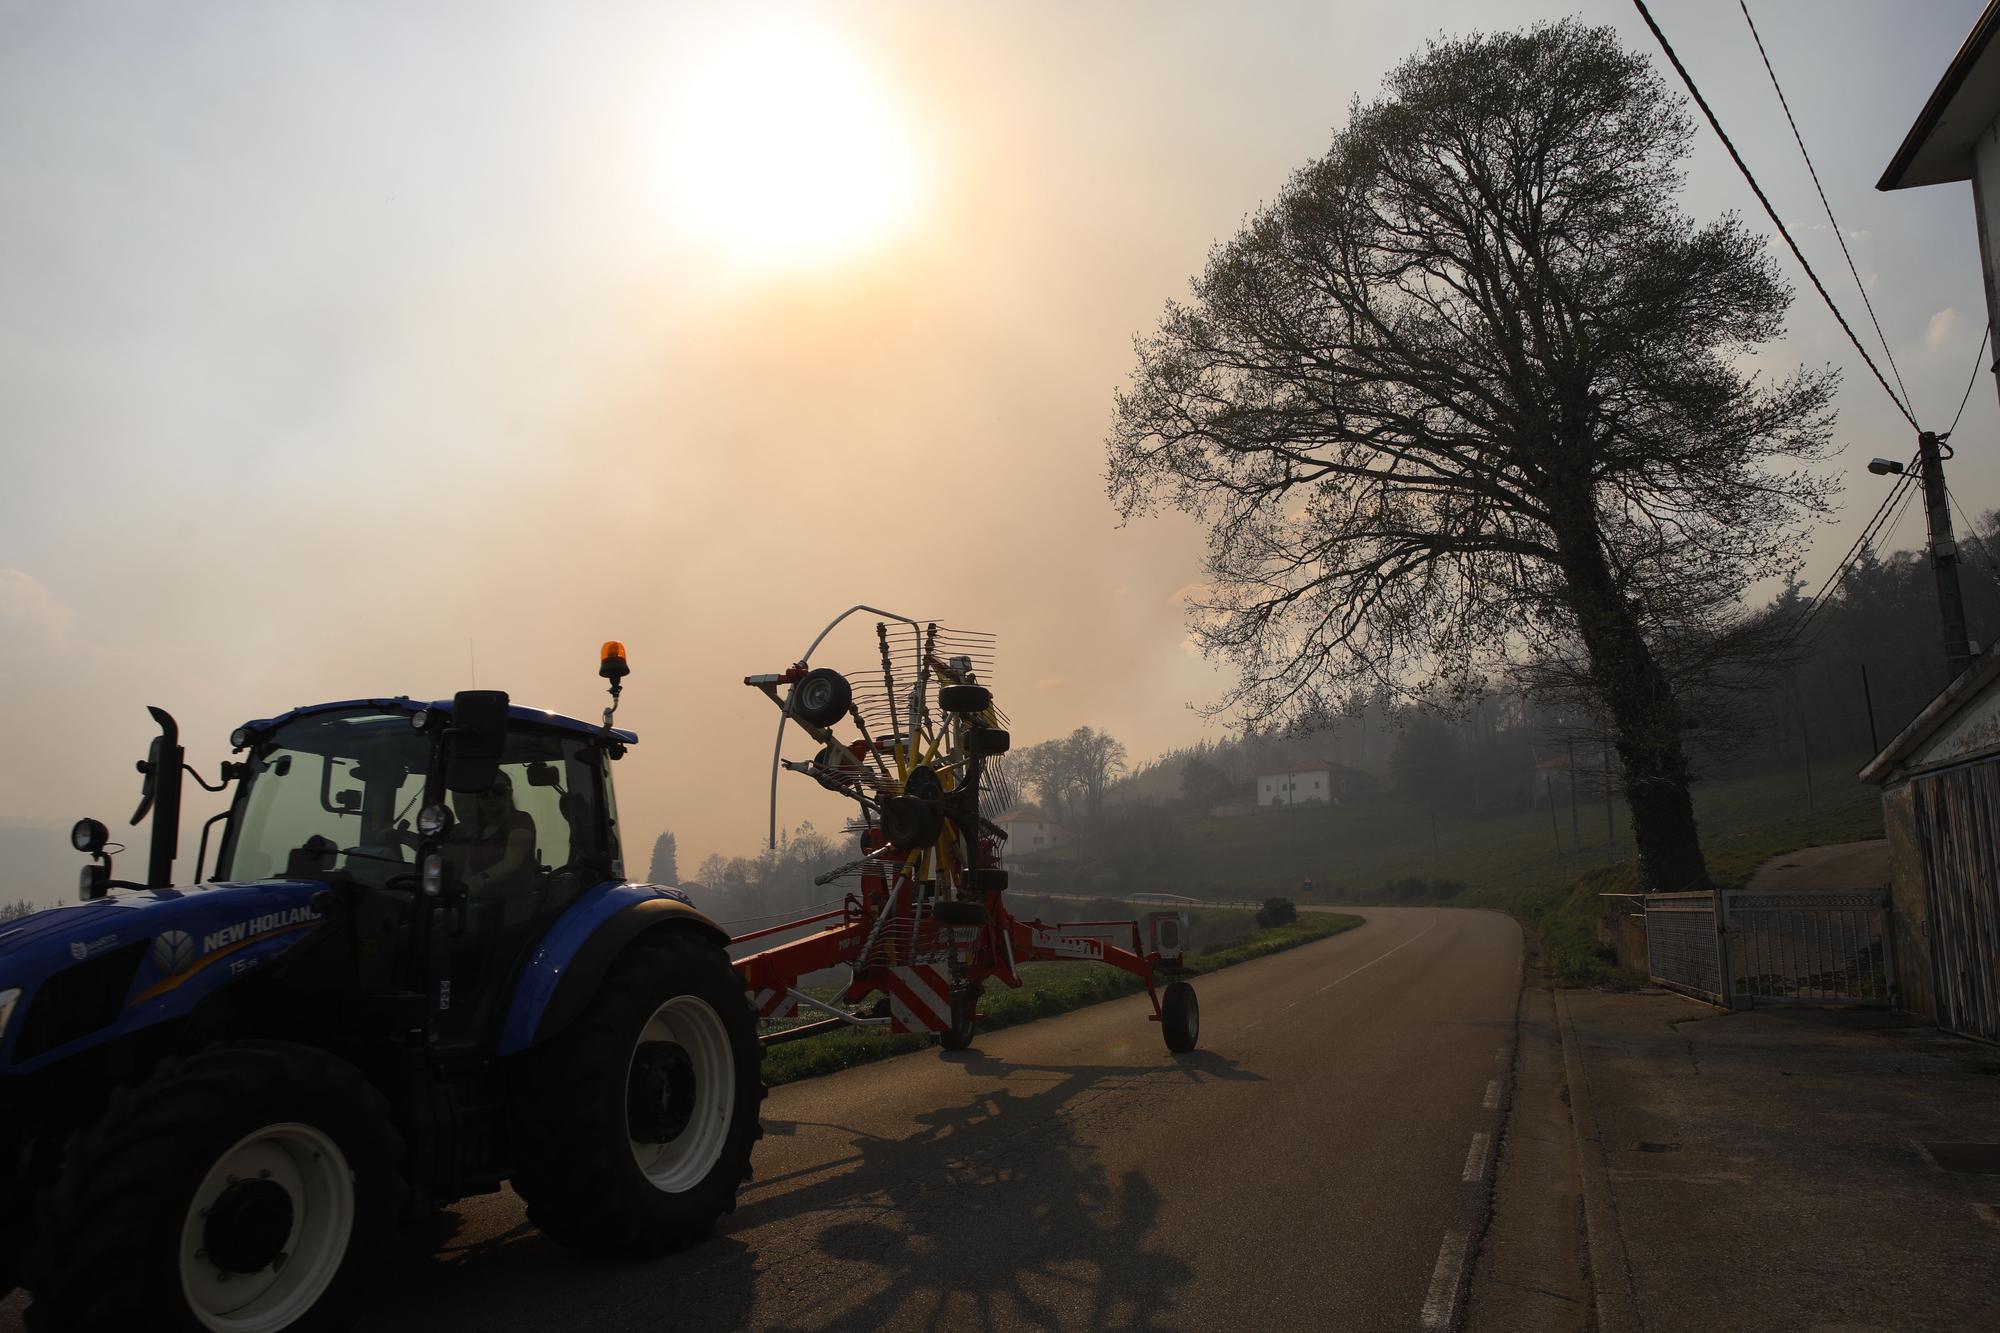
(1834, 222)
(1770, 212)
(1904, 488)
(1984, 557)
(1965, 398)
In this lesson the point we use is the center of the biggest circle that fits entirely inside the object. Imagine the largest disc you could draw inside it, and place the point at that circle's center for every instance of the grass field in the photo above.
(1547, 873)
(1046, 989)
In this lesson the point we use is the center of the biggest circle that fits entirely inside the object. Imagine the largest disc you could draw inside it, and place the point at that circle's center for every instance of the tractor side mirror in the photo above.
(478, 735)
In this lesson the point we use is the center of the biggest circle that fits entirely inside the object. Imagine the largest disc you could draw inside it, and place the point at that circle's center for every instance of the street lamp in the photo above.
(1958, 647)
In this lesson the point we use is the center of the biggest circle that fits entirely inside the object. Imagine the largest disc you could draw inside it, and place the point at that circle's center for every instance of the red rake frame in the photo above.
(929, 927)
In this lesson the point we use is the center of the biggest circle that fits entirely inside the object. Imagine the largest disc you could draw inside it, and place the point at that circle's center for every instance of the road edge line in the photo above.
(1489, 1183)
(1612, 1299)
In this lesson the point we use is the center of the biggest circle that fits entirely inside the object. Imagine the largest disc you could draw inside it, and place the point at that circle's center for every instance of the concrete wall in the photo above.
(1909, 919)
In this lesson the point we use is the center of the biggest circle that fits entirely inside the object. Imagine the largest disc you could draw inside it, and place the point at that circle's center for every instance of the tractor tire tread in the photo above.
(568, 1152)
(123, 1174)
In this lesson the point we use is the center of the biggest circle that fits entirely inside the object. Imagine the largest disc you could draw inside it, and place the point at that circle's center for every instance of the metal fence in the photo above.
(1772, 948)
(1682, 948)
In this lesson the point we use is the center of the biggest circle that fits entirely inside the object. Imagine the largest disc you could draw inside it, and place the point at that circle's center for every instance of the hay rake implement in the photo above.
(924, 926)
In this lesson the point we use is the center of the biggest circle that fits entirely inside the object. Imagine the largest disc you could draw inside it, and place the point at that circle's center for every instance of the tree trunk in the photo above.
(1645, 717)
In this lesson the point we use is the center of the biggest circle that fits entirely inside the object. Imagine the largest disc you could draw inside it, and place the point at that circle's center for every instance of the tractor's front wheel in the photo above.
(245, 1189)
(635, 1124)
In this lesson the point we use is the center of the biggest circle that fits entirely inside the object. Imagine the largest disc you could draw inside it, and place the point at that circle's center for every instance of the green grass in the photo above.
(1565, 920)
(1744, 823)
(1046, 989)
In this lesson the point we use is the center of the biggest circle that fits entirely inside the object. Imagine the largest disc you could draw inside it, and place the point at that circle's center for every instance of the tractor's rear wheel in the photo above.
(242, 1190)
(635, 1124)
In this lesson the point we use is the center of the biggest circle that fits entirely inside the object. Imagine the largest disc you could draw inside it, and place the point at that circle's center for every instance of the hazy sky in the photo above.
(343, 344)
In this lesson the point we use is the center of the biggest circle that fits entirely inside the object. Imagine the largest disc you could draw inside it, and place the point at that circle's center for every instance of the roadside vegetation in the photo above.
(1048, 989)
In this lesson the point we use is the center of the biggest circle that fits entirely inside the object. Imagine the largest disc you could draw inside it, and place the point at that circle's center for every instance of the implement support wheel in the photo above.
(1180, 1017)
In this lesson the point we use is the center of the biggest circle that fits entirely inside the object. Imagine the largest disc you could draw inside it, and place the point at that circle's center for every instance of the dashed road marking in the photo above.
(1379, 957)
(1492, 1099)
(1475, 1158)
(1363, 968)
(1443, 1296)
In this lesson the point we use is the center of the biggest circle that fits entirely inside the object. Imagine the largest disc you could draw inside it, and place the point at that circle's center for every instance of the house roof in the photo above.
(1938, 147)
(1303, 766)
(1975, 679)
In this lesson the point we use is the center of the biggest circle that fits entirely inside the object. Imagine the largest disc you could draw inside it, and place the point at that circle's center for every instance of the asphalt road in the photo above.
(1322, 1162)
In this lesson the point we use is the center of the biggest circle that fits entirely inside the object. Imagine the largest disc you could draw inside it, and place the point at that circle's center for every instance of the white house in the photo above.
(1307, 780)
(1029, 830)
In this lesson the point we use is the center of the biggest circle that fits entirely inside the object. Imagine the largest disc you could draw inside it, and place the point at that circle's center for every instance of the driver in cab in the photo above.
(494, 841)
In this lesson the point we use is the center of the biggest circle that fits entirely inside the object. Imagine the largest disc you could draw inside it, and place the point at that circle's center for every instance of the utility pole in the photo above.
(1868, 702)
(1944, 555)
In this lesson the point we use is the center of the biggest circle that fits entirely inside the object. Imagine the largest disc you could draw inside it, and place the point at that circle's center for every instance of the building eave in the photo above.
(1983, 672)
(1938, 148)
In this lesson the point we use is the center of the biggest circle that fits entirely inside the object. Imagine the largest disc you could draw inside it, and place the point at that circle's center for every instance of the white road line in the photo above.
(1475, 1159)
(1379, 957)
(1443, 1296)
(1492, 1100)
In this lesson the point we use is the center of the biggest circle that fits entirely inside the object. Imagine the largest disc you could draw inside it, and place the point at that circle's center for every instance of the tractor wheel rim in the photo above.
(296, 1243)
(701, 1096)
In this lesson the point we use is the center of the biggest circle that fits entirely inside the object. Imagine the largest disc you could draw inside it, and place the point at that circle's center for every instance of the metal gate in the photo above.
(1958, 825)
(1772, 948)
(1808, 947)
(1682, 948)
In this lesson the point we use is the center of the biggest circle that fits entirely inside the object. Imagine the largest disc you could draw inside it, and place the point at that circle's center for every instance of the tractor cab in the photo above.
(453, 832)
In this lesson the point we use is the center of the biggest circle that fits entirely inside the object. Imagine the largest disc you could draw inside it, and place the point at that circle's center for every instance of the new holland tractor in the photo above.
(415, 970)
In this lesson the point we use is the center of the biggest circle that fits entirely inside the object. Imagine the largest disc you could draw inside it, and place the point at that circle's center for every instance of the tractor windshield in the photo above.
(333, 791)
(338, 793)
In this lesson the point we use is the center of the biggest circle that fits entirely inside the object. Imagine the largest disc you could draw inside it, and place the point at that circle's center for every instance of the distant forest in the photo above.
(1510, 748)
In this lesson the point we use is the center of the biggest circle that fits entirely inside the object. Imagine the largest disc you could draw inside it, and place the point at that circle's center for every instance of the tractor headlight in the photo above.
(8, 999)
(240, 738)
(89, 836)
(433, 875)
(433, 820)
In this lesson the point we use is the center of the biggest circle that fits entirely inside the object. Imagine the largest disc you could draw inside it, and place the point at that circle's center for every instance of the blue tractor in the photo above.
(416, 971)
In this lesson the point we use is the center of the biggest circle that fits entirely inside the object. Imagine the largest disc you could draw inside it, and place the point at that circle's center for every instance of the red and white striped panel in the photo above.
(775, 1004)
(919, 998)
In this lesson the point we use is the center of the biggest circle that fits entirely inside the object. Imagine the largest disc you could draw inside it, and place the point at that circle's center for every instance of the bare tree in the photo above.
(1045, 769)
(1096, 757)
(1470, 390)
(1070, 775)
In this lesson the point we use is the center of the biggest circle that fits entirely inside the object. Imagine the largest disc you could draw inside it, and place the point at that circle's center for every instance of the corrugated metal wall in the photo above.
(1958, 825)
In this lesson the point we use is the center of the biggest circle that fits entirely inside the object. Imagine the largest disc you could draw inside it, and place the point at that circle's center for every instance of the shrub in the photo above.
(1277, 912)
(1415, 889)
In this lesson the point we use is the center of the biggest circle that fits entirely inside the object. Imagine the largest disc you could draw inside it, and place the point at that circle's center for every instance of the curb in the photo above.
(1612, 1298)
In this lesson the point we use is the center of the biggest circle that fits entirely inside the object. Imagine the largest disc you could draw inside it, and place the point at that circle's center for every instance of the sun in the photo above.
(786, 150)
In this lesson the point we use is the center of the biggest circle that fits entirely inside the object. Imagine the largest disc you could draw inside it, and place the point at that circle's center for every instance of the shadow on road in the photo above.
(992, 1212)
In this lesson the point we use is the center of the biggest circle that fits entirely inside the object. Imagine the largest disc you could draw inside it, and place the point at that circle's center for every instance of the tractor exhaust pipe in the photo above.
(161, 794)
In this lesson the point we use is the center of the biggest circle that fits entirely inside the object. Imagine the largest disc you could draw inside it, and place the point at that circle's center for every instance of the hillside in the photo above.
(1350, 850)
